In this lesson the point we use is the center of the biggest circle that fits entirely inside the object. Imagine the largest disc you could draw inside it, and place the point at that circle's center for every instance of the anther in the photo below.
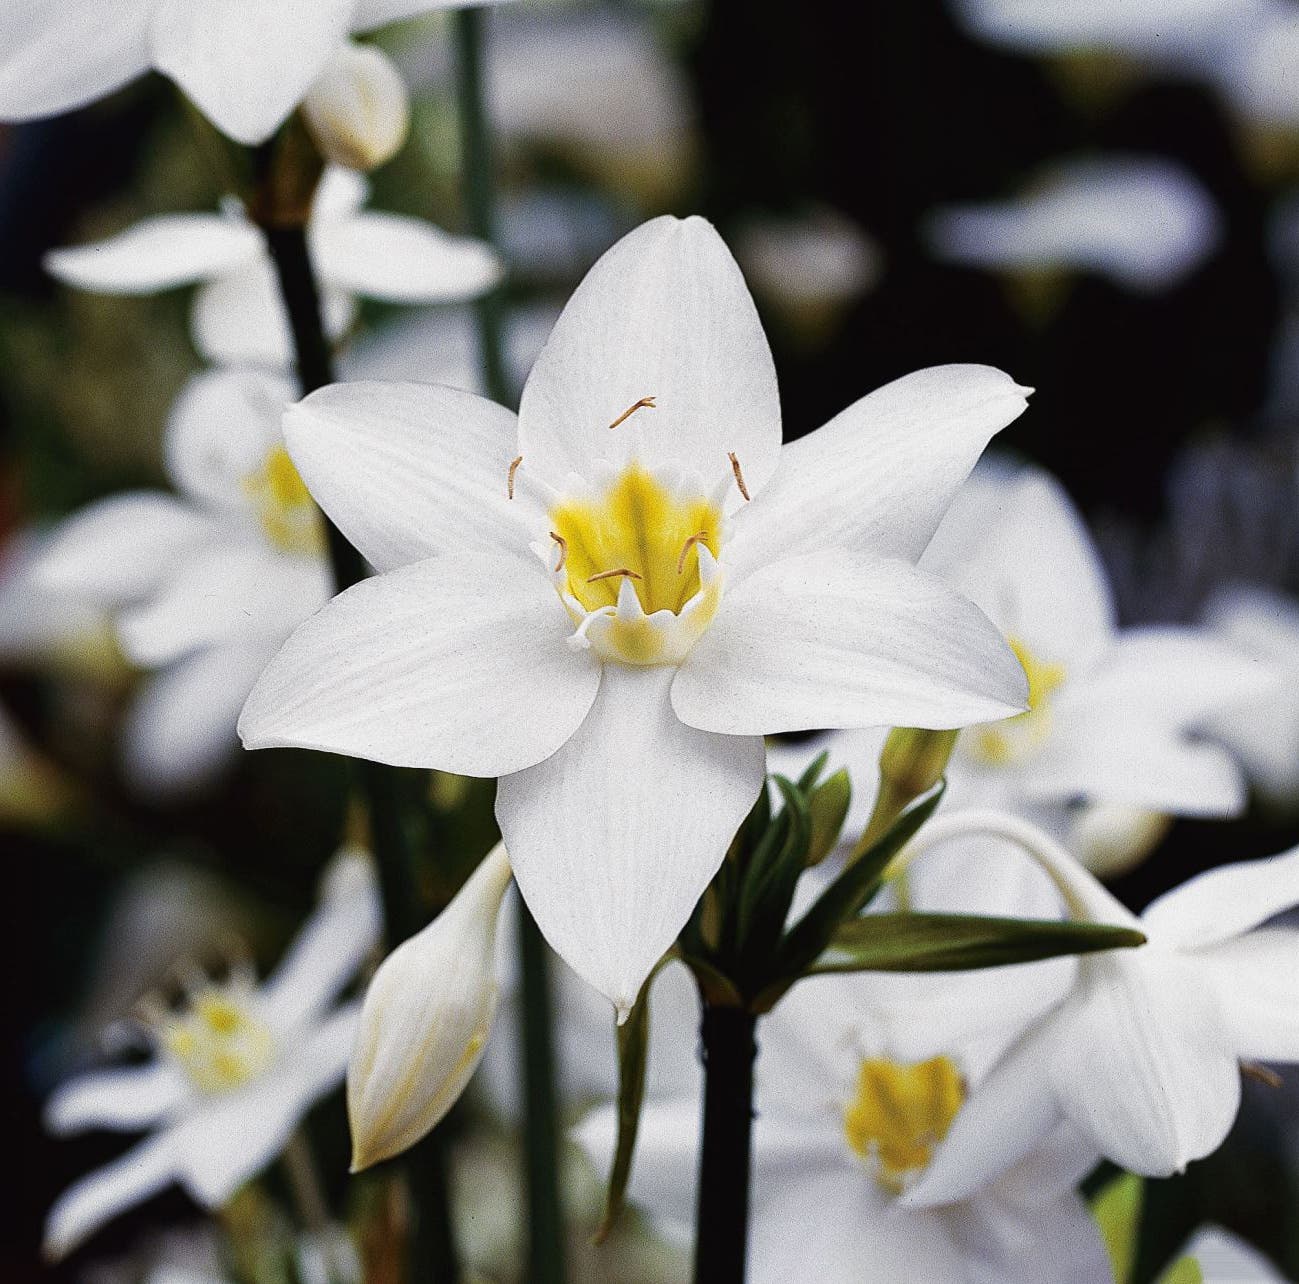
(1260, 1074)
(563, 550)
(608, 575)
(514, 468)
(739, 476)
(687, 546)
(645, 403)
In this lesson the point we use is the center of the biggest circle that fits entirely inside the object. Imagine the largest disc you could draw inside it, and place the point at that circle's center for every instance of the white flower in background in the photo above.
(1256, 69)
(1225, 1258)
(206, 584)
(614, 640)
(1262, 732)
(847, 1120)
(245, 64)
(358, 112)
(1142, 221)
(1144, 1056)
(234, 1070)
(238, 315)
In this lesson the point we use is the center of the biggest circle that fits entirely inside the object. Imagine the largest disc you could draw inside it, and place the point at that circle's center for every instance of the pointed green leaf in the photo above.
(1185, 1270)
(812, 773)
(773, 870)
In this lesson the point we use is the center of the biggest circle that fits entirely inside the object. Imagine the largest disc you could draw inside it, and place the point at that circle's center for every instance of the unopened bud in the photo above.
(425, 1021)
(358, 110)
(828, 808)
(912, 762)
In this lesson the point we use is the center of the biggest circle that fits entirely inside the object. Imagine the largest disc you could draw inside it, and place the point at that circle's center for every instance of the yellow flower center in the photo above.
(1012, 740)
(284, 505)
(900, 1114)
(219, 1041)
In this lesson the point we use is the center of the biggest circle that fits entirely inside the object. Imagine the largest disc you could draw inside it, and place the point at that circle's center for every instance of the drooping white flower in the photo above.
(1142, 221)
(205, 584)
(245, 64)
(233, 1071)
(1143, 1055)
(614, 640)
(846, 1119)
(238, 315)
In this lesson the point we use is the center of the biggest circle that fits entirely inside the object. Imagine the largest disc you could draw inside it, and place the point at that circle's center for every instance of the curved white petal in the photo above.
(1256, 978)
(88, 1204)
(878, 477)
(358, 109)
(399, 259)
(180, 730)
(408, 471)
(461, 663)
(121, 548)
(1224, 1258)
(246, 64)
(54, 57)
(1224, 902)
(614, 838)
(665, 314)
(128, 1099)
(157, 254)
(835, 640)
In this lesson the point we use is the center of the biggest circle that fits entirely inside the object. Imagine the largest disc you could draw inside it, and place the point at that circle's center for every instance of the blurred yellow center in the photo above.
(900, 1114)
(1000, 743)
(284, 505)
(219, 1041)
(637, 531)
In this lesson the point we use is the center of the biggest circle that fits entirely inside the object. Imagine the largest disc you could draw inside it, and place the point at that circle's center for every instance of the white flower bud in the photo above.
(1112, 839)
(358, 110)
(425, 1021)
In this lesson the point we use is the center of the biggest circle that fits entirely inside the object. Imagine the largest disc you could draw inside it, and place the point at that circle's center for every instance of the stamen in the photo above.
(645, 403)
(1260, 1074)
(739, 476)
(686, 547)
(563, 550)
(608, 575)
(514, 468)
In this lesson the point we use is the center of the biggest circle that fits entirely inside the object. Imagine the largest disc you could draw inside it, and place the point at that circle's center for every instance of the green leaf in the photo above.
(771, 874)
(812, 773)
(1185, 1270)
(961, 942)
(1117, 1211)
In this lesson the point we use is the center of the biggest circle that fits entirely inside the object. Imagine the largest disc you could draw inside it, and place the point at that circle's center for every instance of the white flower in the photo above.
(1225, 1258)
(845, 1122)
(1142, 221)
(206, 584)
(358, 112)
(425, 1020)
(614, 640)
(245, 64)
(238, 315)
(233, 1071)
(1143, 1056)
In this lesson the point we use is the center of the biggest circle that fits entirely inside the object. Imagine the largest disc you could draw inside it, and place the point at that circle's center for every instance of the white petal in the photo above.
(399, 259)
(408, 471)
(120, 548)
(879, 476)
(615, 837)
(84, 1207)
(157, 254)
(245, 64)
(1224, 1258)
(246, 592)
(180, 731)
(460, 663)
(128, 1099)
(240, 319)
(835, 640)
(358, 110)
(1256, 978)
(60, 56)
(664, 314)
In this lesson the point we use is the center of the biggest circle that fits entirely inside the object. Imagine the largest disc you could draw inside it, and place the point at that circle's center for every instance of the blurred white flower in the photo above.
(1143, 1057)
(1225, 1258)
(245, 64)
(645, 624)
(1257, 67)
(205, 584)
(1142, 221)
(232, 1073)
(358, 111)
(238, 315)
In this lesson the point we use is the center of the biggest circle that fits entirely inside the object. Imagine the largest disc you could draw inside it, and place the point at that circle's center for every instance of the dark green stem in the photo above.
(545, 1213)
(728, 1048)
(433, 1251)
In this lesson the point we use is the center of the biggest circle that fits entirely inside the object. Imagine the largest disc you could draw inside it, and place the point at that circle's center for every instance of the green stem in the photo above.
(433, 1252)
(545, 1212)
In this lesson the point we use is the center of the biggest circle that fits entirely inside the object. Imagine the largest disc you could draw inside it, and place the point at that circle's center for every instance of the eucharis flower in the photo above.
(233, 1070)
(245, 64)
(206, 584)
(609, 600)
(238, 315)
